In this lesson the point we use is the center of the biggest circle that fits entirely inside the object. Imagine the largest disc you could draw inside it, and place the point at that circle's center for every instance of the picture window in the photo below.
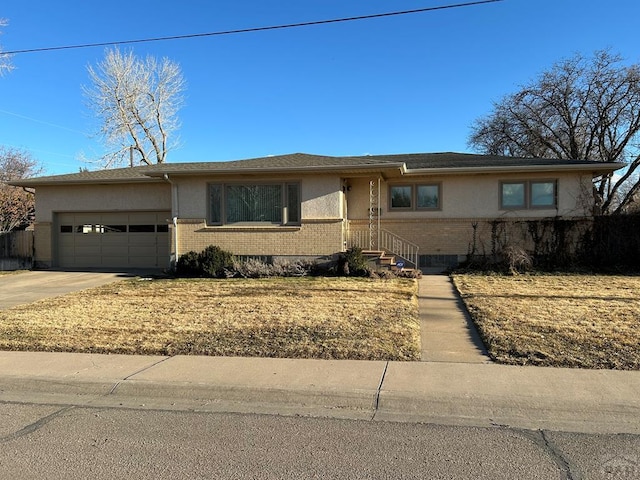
(259, 203)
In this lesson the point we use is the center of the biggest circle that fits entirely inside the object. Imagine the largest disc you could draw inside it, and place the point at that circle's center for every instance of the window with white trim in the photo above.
(254, 203)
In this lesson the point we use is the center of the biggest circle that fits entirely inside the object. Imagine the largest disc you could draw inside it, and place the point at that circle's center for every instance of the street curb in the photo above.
(288, 398)
(185, 396)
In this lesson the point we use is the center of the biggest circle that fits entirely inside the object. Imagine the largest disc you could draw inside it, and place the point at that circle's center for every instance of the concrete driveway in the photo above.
(27, 287)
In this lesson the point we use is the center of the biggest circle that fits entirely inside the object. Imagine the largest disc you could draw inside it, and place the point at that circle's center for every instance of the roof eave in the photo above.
(595, 168)
(111, 181)
(378, 168)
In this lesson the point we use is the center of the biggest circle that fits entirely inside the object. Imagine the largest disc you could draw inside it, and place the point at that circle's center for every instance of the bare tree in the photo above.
(17, 204)
(137, 102)
(5, 59)
(580, 109)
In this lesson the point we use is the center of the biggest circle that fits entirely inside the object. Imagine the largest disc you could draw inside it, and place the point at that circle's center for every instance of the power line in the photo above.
(255, 29)
(42, 122)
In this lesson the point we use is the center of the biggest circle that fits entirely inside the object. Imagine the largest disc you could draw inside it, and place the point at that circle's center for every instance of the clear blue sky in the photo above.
(412, 83)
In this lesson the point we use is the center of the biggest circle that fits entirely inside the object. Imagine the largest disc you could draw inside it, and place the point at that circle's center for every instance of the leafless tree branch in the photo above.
(580, 109)
(137, 102)
(17, 205)
(5, 60)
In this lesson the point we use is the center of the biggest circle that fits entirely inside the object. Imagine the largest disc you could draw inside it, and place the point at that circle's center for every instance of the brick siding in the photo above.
(312, 238)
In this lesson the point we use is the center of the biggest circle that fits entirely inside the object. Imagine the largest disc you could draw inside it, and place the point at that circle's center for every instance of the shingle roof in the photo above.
(302, 162)
(470, 160)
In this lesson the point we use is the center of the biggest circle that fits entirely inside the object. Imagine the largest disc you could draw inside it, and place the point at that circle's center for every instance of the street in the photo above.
(56, 441)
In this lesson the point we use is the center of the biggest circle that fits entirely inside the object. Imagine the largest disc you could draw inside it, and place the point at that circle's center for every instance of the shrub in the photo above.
(189, 265)
(211, 262)
(295, 268)
(516, 260)
(353, 263)
(215, 262)
(253, 268)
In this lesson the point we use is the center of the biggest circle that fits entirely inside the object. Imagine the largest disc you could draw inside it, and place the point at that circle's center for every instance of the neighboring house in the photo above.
(424, 208)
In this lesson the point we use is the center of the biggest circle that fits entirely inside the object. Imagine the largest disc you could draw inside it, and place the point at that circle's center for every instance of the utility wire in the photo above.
(248, 30)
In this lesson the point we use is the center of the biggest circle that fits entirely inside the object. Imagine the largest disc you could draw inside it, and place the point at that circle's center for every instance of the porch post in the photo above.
(374, 214)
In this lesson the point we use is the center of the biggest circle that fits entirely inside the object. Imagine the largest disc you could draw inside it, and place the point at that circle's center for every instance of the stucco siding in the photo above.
(321, 195)
(100, 198)
(43, 244)
(475, 196)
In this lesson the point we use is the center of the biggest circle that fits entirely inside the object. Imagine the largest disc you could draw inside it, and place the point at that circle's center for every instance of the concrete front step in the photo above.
(380, 257)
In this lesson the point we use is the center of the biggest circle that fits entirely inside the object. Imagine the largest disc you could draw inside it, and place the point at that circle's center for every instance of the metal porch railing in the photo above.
(386, 241)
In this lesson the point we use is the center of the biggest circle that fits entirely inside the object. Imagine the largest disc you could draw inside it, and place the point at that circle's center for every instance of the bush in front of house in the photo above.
(215, 262)
(353, 263)
(252, 268)
(212, 262)
(256, 268)
(189, 265)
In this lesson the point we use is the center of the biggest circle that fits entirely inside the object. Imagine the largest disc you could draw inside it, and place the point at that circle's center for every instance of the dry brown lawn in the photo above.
(332, 318)
(584, 321)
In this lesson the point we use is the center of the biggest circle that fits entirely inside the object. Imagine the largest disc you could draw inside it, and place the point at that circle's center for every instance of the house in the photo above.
(424, 208)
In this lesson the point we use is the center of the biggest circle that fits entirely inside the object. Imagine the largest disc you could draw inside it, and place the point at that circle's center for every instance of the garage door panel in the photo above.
(115, 250)
(144, 262)
(114, 260)
(142, 239)
(65, 241)
(116, 240)
(87, 251)
(119, 239)
(142, 251)
(88, 239)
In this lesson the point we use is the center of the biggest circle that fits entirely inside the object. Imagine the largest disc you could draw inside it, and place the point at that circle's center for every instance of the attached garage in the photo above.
(112, 239)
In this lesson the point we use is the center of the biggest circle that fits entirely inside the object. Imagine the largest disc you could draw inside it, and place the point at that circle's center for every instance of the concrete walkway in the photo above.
(447, 332)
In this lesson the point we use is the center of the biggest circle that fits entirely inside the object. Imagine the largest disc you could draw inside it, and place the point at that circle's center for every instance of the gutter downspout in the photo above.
(174, 220)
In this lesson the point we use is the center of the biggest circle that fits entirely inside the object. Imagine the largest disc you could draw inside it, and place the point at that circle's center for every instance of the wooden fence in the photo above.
(16, 250)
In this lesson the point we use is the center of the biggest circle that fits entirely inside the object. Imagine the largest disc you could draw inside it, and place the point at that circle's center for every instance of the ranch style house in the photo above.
(426, 209)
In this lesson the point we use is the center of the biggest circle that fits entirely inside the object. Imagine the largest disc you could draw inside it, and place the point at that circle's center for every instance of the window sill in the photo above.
(528, 209)
(251, 228)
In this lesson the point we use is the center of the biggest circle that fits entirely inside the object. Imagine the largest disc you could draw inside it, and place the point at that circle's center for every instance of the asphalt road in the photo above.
(43, 441)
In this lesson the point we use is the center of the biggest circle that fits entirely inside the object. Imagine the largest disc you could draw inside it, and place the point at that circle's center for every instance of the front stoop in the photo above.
(387, 261)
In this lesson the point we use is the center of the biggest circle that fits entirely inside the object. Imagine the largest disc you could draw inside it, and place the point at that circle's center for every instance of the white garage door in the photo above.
(113, 240)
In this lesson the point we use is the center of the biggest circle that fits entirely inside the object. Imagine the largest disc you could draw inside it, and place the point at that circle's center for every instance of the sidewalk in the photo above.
(447, 331)
(593, 401)
(455, 384)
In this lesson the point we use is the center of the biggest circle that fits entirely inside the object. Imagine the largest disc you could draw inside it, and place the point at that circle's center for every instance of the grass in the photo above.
(331, 318)
(583, 321)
